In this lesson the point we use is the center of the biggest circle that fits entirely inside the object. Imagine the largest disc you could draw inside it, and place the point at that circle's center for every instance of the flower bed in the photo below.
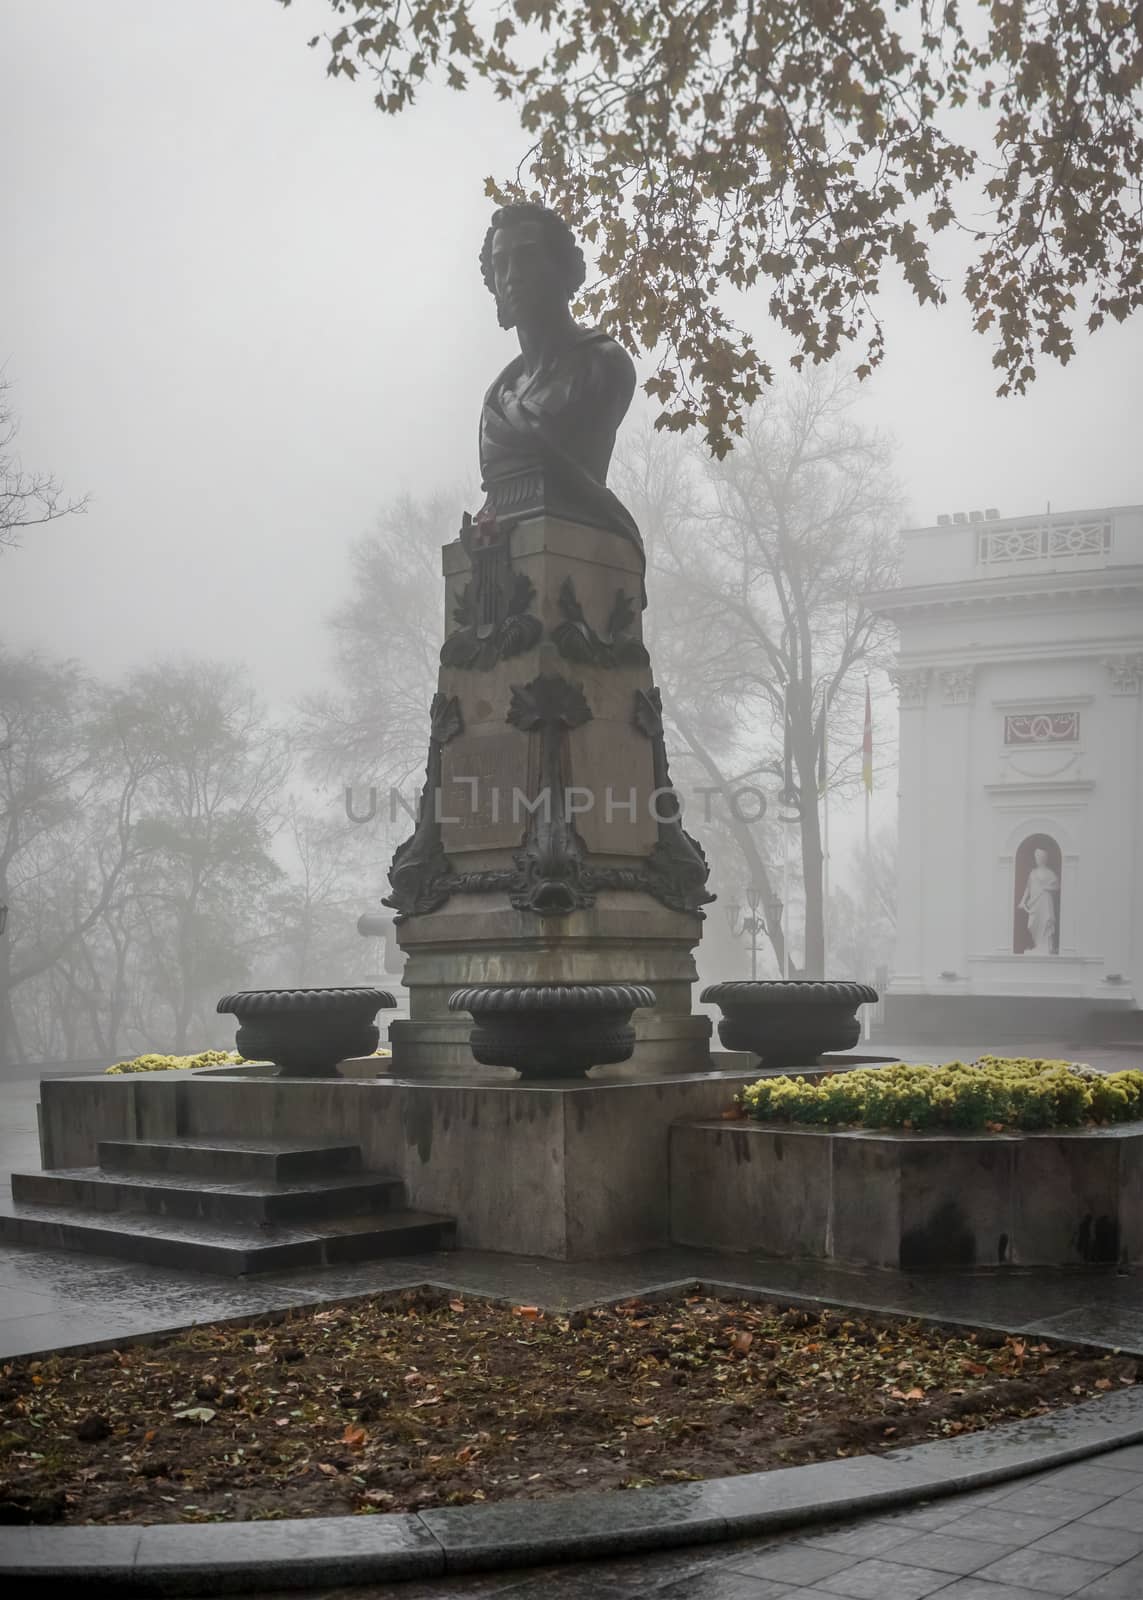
(425, 1399)
(205, 1058)
(992, 1094)
(160, 1063)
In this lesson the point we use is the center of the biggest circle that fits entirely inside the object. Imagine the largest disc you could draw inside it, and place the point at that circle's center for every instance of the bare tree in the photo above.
(387, 639)
(208, 809)
(67, 808)
(766, 555)
(26, 498)
(863, 917)
(311, 917)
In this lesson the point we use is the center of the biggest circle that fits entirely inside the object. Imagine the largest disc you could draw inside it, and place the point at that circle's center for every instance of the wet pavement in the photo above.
(1074, 1531)
(1077, 1530)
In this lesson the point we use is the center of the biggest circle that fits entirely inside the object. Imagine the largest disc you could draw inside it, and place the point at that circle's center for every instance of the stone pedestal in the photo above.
(549, 846)
(566, 1170)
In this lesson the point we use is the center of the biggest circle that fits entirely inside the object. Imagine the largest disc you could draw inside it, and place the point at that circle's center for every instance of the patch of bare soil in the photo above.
(398, 1403)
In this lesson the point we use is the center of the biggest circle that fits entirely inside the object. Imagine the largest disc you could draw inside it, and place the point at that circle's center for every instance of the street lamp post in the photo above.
(752, 925)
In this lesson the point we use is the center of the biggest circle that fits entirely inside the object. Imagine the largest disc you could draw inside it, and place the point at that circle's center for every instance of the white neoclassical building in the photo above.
(1020, 680)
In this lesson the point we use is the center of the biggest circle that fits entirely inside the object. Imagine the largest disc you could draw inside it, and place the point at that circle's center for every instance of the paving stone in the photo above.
(880, 1579)
(863, 1539)
(980, 1589)
(717, 1585)
(1043, 1500)
(794, 1563)
(1096, 1544)
(1044, 1570)
(1124, 1583)
(553, 1583)
(1006, 1527)
(928, 1515)
(1095, 1478)
(947, 1552)
(1126, 1513)
(1129, 1456)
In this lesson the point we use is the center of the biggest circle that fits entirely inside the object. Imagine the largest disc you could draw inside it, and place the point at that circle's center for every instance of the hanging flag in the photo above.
(867, 744)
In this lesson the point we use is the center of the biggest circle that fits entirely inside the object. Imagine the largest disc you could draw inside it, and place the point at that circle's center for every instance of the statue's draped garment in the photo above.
(1039, 902)
(561, 421)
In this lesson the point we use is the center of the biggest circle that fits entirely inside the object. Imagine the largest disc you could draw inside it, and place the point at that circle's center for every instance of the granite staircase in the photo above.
(229, 1206)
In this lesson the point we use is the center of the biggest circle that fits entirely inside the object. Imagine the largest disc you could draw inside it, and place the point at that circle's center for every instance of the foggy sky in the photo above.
(242, 309)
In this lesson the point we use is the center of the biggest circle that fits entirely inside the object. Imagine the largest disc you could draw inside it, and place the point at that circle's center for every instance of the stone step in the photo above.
(231, 1250)
(258, 1202)
(273, 1160)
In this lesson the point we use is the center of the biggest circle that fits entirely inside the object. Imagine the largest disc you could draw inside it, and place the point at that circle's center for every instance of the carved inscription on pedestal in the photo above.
(482, 779)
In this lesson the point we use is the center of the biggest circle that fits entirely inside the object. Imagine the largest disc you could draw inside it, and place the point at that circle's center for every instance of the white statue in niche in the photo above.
(1038, 902)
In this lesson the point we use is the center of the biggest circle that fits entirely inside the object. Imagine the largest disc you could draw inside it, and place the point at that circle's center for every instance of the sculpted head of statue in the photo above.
(532, 264)
(548, 423)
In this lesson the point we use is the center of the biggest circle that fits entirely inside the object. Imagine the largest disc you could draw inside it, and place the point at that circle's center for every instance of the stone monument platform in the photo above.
(570, 1170)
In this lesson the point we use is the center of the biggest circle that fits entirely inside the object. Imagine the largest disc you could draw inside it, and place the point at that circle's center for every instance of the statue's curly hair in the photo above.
(558, 237)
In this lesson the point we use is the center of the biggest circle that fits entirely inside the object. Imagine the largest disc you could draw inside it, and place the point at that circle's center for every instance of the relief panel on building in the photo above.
(1042, 727)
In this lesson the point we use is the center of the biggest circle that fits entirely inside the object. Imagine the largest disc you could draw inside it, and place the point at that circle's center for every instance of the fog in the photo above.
(243, 309)
(243, 312)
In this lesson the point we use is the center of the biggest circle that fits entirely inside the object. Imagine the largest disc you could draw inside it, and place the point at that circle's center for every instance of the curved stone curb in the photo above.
(244, 1557)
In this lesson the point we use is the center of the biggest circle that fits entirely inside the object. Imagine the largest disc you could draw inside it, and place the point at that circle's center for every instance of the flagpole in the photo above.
(867, 784)
(825, 837)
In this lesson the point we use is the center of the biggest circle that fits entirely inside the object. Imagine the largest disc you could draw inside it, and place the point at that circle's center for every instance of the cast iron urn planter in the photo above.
(306, 1032)
(552, 1030)
(789, 1022)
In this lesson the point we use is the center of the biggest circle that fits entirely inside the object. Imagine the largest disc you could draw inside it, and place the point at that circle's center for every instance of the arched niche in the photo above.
(1036, 886)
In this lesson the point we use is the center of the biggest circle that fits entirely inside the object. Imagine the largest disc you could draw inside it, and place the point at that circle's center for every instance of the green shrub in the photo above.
(158, 1063)
(990, 1094)
(1117, 1097)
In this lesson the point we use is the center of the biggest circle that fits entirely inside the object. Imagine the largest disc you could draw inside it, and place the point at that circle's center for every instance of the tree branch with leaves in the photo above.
(709, 145)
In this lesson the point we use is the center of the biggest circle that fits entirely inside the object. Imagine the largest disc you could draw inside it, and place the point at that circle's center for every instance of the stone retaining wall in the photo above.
(912, 1201)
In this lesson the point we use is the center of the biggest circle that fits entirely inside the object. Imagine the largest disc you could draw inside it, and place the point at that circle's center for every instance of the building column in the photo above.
(912, 684)
(947, 827)
(1124, 776)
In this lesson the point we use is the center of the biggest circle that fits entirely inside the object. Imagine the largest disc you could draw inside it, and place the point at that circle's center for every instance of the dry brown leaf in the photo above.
(354, 1436)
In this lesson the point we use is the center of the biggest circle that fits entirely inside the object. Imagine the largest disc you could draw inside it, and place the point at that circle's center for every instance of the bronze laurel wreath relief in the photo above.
(616, 646)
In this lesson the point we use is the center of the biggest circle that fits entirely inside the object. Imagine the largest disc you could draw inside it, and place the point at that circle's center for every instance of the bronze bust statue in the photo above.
(549, 421)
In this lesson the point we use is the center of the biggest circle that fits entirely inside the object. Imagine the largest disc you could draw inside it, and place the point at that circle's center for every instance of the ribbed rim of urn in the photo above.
(552, 997)
(790, 992)
(248, 1002)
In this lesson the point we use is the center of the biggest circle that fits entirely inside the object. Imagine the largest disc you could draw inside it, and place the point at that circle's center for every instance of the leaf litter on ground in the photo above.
(401, 1402)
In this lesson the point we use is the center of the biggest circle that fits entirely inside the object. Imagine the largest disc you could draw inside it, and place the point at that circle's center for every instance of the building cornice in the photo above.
(1023, 589)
